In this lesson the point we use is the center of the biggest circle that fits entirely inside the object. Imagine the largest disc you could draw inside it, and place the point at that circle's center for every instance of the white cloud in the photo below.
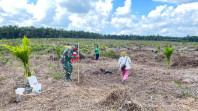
(1, 19)
(86, 23)
(98, 16)
(14, 7)
(40, 9)
(176, 1)
(122, 19)
(14, 12)
(165, 20)
(104, 7)
(20, 12)
(75, 6)
(95, 20)
(122, 23)
(124, 10)
(157, 12)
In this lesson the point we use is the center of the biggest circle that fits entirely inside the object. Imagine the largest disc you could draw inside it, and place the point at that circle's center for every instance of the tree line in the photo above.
(13, 32)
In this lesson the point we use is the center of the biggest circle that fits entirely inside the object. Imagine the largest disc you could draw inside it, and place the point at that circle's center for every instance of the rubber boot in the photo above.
(68, 77)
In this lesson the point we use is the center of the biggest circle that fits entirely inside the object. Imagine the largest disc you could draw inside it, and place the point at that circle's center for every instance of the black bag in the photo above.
(123, 66)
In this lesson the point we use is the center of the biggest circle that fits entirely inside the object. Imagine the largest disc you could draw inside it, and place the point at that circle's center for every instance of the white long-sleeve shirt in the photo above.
(122, 61)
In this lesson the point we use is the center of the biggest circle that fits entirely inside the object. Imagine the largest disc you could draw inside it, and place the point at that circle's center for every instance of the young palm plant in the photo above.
(168, 52)
(158, 48)
(23, 53)
(58, 51)
(184, 90)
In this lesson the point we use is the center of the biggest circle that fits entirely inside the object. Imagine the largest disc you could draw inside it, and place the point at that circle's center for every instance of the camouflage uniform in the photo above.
(66, 61)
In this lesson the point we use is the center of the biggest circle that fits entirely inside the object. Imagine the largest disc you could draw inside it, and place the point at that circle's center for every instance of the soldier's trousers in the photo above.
(68, 68)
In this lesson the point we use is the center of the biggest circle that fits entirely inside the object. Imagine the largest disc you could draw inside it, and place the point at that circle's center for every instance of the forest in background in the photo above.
(13, 32)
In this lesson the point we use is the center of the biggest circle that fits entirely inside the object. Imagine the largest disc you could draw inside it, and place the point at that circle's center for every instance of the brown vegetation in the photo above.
(149, 86)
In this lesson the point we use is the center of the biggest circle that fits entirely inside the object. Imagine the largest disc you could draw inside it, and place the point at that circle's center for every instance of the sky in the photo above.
(138, 17)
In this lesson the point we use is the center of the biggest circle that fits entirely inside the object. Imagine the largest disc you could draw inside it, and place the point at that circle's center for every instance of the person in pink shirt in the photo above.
(124, 65)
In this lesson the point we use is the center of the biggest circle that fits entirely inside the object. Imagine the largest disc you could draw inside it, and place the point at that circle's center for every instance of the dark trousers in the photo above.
(97, 56)
(68, 68)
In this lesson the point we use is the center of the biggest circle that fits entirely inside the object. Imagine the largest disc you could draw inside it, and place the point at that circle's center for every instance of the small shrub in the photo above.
(103, 47)
(185, 91)
(94, 44)
(42, 49)
(51, 66)
(6, 61)
(37, 48)
(168, 52)
(89, 52)
(112, 45)
(110, 54)
(58, 76)
(3, 50)
(84, 50)
(58, 51)
(158, 49)
(121, 45)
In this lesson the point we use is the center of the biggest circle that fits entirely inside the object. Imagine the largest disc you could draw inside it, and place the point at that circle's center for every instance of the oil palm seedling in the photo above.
(185, 91)
(158, 48)
(58, 51)
(23, 53)
(168, 52)
(103, 47)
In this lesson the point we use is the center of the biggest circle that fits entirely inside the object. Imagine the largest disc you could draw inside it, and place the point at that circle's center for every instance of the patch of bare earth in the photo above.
(185, 61)
(149, 86)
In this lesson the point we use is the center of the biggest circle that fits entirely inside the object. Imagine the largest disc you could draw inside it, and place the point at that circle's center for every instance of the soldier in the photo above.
(66, 60)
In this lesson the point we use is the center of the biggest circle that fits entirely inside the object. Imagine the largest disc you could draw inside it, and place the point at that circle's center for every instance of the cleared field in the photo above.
(149, 87)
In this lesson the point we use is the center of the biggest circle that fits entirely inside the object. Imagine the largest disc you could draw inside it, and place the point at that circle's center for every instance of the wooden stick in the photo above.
(99, 48)
(78, 64)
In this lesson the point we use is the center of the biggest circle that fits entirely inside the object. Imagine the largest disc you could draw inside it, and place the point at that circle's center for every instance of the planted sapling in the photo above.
(168, 52)
(23, 53)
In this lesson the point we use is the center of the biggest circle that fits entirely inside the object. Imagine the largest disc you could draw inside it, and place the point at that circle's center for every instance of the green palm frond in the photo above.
(168, 52)
(178, 84)
(22, 52)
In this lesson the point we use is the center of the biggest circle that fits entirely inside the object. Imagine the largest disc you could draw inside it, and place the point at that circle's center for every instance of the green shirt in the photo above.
(96, 50)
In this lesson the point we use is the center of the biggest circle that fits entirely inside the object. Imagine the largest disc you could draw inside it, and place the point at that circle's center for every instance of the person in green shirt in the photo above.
(66, 60)
(97, 52)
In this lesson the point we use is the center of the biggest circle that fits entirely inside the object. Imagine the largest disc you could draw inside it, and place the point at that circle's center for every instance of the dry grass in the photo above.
(119, 99)
(149, 86)
(185, 62)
